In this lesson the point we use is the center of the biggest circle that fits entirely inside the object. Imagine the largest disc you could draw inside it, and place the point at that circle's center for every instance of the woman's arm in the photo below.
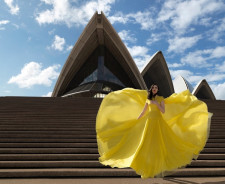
(143, 112)
(160, 106)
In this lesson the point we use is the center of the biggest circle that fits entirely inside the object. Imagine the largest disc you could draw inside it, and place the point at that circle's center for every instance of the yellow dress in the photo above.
(157, 143)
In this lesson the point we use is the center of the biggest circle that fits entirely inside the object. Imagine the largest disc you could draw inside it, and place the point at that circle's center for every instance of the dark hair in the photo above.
(150, 94)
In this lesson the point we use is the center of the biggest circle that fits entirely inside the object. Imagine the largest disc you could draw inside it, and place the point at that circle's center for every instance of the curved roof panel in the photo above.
(98, 32)
(156, 71)
(180, 84)
(203, 91)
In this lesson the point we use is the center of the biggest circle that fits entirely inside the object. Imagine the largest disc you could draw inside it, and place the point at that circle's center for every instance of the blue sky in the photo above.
(36, 37)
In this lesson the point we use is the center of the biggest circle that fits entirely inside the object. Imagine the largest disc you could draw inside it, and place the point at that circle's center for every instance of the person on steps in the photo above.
(153, 135)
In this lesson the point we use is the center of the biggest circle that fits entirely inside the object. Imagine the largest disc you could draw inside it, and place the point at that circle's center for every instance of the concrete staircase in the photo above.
(55, 137)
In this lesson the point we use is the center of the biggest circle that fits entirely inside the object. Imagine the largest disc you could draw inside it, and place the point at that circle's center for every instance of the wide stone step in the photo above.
(48, 145)
(68, 130)
(216, 136)
(216, 129)
(46, 115)
(73, 136)
(83, 127)
(216, 140)
(62, 123)
(76, 150)
(213, 150)
(90, 164)
(201, 172)
(29, 140)
(38, 122)
(102, 172)
(215, 145)
(211, 156)
(51, 164)
(40, 127)
(52, 131)
(49, 157)
(207, 163)
(218, 125)
(69, 122)
(56, 140)
(48, 136)
(49, 120)
(76, 145)
(47, 150)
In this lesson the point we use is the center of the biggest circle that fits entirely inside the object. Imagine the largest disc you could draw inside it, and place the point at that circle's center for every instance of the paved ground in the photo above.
(211, 180)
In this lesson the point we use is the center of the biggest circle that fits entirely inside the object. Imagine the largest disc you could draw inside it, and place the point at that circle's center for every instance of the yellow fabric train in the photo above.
(157, 143)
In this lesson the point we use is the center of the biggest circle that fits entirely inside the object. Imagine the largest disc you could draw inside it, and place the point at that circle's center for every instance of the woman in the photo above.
(155, 140)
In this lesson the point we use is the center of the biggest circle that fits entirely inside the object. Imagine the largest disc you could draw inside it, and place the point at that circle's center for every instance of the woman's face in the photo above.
(154, 89)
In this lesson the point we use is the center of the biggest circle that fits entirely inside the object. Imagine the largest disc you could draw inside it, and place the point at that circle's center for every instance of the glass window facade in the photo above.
(101, 67)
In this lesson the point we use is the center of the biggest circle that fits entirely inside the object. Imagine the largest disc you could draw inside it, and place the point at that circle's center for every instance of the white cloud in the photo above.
(119, 17)
(3, 22)
(63, 12)
(215, 77)
(127, 36)
(69, 48)
(218, 52)
(218, 31)
(140, 55)
(196, 59)
(48, 95)
(201, 58)
(220, 67)
(14, 9)
(137, 51)
(205, 21)
(219, 90)
(145, 19)
(175, 65)
(141, 61)
(183, 73)
(182, 14)
(180, 44)
(33, 74)
(58, 43)
(155, 37)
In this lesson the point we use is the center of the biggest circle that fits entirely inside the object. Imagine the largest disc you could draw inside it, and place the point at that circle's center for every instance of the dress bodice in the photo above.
(157, 98)
(153, 109)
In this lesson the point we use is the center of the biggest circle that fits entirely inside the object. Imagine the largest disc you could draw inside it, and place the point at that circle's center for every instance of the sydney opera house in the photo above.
(100, 63)
(55, 137)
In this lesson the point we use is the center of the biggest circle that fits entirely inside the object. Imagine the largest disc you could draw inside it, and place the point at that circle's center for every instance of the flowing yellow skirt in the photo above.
(157, 143)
